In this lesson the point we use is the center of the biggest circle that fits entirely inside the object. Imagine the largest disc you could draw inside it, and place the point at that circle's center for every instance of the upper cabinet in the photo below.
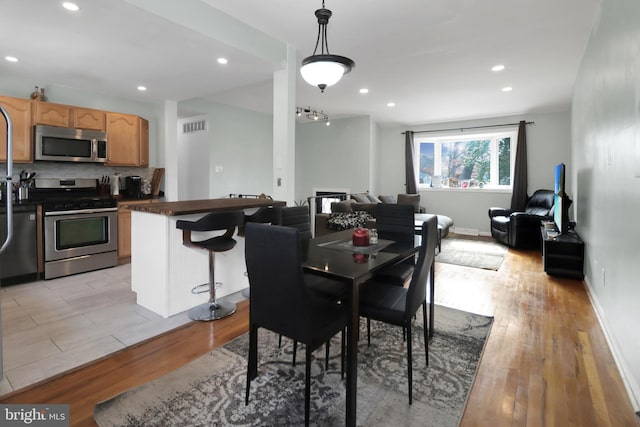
(20, 112)
(128, 140)
(46, 113)
(144, 142)
(127, 134)
(86, 118)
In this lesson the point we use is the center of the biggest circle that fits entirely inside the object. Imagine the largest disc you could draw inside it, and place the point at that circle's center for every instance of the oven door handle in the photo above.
(80, 211)
(9, 181)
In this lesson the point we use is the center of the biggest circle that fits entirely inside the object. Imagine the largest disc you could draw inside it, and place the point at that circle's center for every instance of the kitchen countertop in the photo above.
(186, 207)
(125, 200)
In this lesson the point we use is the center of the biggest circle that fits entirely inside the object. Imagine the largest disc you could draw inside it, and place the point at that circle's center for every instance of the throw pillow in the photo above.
(360, 198)
(369, 208)
(388, 199)
(346, 221)
(373, 199)
(410, 199)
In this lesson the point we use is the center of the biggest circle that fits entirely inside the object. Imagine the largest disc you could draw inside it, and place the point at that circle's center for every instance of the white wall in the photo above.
(606, 176)
(193, 161)
(336, 156)
(548, 143)
(240, 147)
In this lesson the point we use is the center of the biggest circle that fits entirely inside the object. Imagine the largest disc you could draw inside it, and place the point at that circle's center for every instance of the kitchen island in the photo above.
(163, 270)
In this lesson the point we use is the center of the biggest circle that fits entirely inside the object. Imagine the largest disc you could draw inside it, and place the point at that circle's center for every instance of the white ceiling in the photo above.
(431, 57)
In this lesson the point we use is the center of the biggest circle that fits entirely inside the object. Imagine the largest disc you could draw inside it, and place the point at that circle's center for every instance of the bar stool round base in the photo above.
(212, 311)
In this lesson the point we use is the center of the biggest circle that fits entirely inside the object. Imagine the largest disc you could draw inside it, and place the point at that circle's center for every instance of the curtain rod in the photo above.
(470, 127)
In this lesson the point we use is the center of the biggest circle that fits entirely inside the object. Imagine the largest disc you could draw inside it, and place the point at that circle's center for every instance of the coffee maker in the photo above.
(133, 188)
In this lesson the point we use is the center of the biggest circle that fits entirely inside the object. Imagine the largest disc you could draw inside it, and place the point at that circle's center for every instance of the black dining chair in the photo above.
(398, 305)
(294, 216)
(298, 217)
(396, 222)
(280, 301)
(264, 215)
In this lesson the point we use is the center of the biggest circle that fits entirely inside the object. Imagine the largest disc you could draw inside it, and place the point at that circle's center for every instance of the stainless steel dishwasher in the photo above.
(19, 262)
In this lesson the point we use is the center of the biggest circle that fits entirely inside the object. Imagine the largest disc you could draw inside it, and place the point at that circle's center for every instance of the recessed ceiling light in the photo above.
(391, 104)
(222, 61)
(11, 58)
(507, 89)
(142, 88)
(364, 90)
(497, 68)
(70, 6)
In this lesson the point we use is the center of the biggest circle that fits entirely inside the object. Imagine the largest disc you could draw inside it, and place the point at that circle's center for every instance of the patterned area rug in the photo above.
(210, 390)
(472, 252)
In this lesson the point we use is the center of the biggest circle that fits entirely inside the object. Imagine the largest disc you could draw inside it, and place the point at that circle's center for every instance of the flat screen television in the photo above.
(561, 201)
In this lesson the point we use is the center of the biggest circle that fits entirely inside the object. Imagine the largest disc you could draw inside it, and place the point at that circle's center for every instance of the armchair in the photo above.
(521, 230)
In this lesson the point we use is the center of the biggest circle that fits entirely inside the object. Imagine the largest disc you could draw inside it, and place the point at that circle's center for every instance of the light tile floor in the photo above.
(52, 326)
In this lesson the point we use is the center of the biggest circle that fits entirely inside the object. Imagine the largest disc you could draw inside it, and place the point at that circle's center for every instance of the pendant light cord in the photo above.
(322, 35)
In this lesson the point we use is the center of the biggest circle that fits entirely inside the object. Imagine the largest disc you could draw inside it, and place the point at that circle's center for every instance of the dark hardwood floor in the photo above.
(546, 362)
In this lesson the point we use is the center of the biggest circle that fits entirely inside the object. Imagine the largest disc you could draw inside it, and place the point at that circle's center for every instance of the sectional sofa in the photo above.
(359, 211)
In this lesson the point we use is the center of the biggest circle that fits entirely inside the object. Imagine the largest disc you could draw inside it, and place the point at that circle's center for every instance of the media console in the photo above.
(562, 254)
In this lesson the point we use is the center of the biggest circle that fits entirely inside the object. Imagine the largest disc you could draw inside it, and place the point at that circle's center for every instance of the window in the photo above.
(480, 160)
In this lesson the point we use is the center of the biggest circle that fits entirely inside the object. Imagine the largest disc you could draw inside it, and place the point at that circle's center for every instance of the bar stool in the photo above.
(212, 309)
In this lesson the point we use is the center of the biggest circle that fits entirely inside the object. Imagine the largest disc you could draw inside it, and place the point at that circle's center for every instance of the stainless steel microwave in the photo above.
(70, 145)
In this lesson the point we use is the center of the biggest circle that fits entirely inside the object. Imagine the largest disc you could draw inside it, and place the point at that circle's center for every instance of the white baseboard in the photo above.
(632, 388)
(466, 231)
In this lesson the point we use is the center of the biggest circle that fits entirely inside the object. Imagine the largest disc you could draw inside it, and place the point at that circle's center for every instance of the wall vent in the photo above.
(193, 127)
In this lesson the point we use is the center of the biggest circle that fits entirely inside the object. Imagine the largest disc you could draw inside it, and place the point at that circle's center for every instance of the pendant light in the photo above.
(324, 69)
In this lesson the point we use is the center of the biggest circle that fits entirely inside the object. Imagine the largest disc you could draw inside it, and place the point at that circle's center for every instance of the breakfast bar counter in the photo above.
(163, 270)
(187, 207)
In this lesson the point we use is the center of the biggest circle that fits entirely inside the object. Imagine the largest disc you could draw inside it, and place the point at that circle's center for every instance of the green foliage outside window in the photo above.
(465, 163)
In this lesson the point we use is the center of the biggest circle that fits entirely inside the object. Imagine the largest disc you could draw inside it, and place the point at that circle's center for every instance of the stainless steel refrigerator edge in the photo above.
(9, 202)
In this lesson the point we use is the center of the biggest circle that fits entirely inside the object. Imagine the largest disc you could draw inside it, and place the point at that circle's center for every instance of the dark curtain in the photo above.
(410, 175)
(519, 195)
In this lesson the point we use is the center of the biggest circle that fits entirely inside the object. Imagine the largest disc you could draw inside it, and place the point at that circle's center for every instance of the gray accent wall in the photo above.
(606, 177)
(332, 157)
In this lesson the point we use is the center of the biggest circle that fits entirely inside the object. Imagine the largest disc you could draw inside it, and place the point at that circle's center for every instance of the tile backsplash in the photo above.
(78, 170)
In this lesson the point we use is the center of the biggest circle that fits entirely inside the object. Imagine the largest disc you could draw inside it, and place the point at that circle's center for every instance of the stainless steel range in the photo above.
(80, 228)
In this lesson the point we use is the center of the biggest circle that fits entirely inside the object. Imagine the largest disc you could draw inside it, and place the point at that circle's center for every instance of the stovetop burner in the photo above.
(63, 194)
(78, 204)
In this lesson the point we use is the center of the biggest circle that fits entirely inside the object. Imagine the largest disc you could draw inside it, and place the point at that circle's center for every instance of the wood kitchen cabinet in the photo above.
(124, 228)
(128, 140)
(144, 142)
(20, 112)
(87, 118)
(46, 113)
(127, 134)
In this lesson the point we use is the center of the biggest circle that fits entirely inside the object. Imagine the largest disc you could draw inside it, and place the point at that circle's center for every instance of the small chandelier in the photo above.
(324, 69)
(313, 115)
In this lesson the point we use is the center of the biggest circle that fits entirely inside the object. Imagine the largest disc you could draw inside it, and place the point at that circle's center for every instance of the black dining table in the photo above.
(334, 256)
